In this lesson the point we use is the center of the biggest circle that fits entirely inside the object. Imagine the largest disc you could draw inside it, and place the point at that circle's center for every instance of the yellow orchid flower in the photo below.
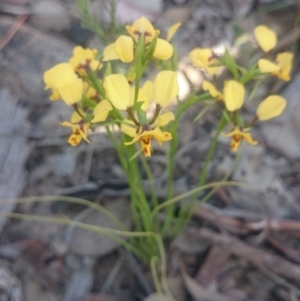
(84, 59)
(79, 128)
(281, 68)
(162, 91)
(165, 89)
(144, 135)
(142, 26)
(208, 86)
(237, 135)
(65, 83)
(265, 37)
(204, 58)
(234, 94)
(271, 107)
(123, 48)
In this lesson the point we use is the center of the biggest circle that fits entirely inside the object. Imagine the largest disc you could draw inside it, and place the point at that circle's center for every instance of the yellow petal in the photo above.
(89, 91)
(165, 87)
(75, 118)
(266, 38)
(142, 97)
(124, 49)
(162, 136)
(165, 119)
(110, 53)
(237, 135)
(147, 88)
(83, 131)
(172, 30)
(147, 133)
(266, 66)
(73, 93)
(101, 111)
(145, 137)
(75, 139)
(284, 61)
(163, 50)
(142, 26)
(207, 86)
(146, 146)
(83, 58)
(200, 57)
(271, 107)
(60, 76)
(203, 58)
(118, 91)
(234, 94)
(128, 128)
(79, 129)
(55, 95)
(82, 55)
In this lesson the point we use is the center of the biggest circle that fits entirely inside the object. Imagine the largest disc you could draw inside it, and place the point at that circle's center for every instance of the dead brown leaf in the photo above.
(199, 292)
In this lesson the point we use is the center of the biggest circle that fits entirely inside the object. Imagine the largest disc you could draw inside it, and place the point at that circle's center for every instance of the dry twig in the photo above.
(254, 255)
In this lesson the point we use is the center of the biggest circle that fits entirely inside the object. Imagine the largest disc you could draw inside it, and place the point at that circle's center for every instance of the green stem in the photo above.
(154, 274)
(182, 107)
(68, 199)
(96, 84)
(185, 213)
(151, 180)
(192, 192)
(212, 192)
(211, 151)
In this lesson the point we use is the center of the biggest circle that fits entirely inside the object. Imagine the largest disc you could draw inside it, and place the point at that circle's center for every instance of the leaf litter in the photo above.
(244, 245)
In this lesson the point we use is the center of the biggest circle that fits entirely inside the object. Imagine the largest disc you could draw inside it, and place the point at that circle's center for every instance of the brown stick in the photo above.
(254, 255)
(237, 226)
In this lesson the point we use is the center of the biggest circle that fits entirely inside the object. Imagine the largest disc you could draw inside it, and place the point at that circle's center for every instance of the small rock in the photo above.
(50, 15)
(86, 242)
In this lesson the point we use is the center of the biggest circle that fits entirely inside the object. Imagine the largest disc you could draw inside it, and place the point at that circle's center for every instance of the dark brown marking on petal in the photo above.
(147, 151)
(236, 138)
(138, 33)
(146, 141)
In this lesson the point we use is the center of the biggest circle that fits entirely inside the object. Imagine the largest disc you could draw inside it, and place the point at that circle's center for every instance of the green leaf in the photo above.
(150, 50)
(108, 69)
(137, 106)
(230, 64)
(87, 102)
(201, 114)
(250, 74)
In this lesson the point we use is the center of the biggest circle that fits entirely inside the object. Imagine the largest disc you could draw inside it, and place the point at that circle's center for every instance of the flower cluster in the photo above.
(103, 96)
(98, 96)
(281, 67)
(233, 93)
(124, 47)
(162, 91)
